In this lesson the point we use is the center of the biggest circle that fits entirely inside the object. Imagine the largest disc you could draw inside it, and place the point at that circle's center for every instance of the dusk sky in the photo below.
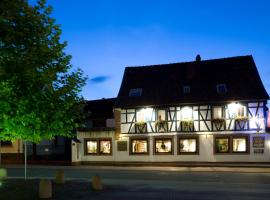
(106, 36)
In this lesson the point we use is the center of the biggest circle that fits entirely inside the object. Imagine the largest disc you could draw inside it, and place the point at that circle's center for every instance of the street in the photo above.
(162, 182)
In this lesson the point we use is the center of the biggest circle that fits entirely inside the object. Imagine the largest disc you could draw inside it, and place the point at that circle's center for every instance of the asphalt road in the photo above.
(162, 183)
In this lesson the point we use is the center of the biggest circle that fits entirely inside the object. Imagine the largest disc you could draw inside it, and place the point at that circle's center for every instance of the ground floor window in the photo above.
(163, 146)
(139, 146)
(239, 144)
(231, 144)
(98, 146)
(91, 147)
(222, 145)
(105, 146)
(188, 145)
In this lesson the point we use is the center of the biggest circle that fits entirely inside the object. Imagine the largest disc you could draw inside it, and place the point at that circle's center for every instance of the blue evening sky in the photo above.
(105, 36)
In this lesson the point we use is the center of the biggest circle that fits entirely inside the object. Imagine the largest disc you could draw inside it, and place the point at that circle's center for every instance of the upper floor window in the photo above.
(186, 89)
(135, 92)
(217, 112)
(186, 113)
(241, 111)
(161, 115)
(221, 88)
(144, 115)
(237, 110)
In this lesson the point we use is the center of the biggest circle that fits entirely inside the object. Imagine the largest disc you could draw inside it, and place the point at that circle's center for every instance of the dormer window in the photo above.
(136, 92)
(186, 89)
(221, 88)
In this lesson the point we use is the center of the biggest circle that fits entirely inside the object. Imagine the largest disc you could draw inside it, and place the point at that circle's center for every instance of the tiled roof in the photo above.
(163, 84)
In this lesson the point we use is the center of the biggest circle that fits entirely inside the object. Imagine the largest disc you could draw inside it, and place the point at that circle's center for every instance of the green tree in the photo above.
(39, 88)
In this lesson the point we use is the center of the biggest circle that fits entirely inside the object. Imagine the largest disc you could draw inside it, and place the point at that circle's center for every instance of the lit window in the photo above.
(144, 115)
(236, 110)
(222, 145)
(139, 146)
(91, 147)
(221, 88)
(239, 144)
(187, 145)
(163, 145)
(105, 146)
(186, 113)
(161, 115)
(136, 92)
(241, 111)
(217, 112)
(186, 89)
(98, 146)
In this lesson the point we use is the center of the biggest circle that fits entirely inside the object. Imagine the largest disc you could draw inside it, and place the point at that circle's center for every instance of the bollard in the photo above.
(60, 177)
(45, 189)
(3, 173)
(97, 183)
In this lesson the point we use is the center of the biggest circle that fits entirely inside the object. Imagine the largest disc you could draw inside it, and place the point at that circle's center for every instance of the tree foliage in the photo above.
(39, 88)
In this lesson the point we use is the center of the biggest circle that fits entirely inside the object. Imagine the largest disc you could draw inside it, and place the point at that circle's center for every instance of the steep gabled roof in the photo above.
(163, 84)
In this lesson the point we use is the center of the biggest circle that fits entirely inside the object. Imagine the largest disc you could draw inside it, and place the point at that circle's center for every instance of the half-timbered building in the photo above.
(200, 111)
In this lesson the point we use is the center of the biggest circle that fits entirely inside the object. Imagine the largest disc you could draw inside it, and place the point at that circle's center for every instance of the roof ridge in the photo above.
(214, 59)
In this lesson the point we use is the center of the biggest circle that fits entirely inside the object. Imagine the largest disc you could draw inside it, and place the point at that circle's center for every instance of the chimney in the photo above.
(198, 58)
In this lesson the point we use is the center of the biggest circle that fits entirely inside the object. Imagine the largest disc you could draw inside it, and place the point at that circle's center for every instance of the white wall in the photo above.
(206, 150)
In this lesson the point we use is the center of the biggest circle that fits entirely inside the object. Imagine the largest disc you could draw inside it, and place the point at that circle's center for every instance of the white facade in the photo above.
(250, 133)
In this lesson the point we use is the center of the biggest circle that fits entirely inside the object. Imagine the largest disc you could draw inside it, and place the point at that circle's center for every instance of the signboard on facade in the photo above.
(258, 151)
(258, 142)
(122, 146)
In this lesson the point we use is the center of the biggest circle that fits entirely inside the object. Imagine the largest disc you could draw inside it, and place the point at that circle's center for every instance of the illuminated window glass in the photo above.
(139, 146)
(217, 112)
(144, 115)
(163, 145)
(187, 145)
(105, 146)
(91, 147)
(239, 144)
(222, 145)
(241, 111)
(186, 113)
(161, 115)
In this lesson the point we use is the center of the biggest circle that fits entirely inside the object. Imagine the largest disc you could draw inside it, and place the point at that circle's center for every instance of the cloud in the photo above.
(99, 79)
